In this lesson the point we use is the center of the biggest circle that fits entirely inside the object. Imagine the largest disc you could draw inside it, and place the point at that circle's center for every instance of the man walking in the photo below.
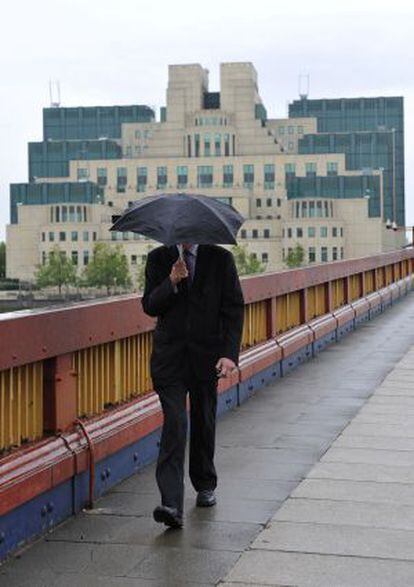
(199, 307)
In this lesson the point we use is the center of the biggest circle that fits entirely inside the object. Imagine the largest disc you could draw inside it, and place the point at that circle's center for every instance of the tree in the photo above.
(295, 256)
(140, 274)
(58, 270)
(107, 268)
(246, 263)
(2, 260)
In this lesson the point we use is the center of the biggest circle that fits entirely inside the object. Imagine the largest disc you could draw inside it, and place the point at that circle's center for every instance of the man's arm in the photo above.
(232, 311)
(158, 291)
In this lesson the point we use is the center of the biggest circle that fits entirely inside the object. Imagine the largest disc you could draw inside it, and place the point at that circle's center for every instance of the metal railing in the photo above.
(60, 364)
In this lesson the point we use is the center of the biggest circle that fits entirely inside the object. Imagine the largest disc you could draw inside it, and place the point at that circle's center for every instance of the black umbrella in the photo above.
(181, 218)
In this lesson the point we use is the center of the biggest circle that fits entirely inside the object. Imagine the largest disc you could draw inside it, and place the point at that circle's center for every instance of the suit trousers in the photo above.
(170, 465)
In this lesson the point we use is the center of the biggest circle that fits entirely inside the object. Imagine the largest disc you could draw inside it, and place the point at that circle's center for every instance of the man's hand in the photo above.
(224, 367)
(179, 271)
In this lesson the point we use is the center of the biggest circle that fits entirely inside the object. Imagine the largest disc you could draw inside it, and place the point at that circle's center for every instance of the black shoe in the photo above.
(168, 516)
(206, 498)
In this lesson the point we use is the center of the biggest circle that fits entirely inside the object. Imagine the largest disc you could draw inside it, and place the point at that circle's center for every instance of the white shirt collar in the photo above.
(193, 250)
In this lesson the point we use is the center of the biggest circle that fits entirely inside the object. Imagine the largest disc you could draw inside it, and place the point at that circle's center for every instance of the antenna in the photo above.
(303, 85)
(54, 89)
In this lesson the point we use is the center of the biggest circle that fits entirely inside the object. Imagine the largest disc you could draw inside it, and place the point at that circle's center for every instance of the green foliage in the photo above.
(2, 260)
(107, 268)
(58, 270)
(246, 263)
(295, 257)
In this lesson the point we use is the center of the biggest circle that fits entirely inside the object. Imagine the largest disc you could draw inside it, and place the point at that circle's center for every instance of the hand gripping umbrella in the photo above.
(181, 218)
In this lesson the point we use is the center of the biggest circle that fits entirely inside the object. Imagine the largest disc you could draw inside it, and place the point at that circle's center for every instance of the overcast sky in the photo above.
(118, 52)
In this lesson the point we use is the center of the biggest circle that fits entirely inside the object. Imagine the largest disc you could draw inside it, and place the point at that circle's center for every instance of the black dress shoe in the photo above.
(206, 498)
(168, 516)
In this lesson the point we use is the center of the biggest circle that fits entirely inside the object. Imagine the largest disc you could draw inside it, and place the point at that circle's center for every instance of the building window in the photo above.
(226, 145)
(266, 233)
(43, 236)
(290, 170)
(121, 179)
(243, 234)
(319, 209)
(258, 203)
(133, 259)
(84, 214)
(64, 213)
(291, 130)
(207, 145)
(311, 232)
(72, 217)
(334, 253)
(254, 255)
(142, 179)
(248, 176)
(51, 237)
(205, 176)
(324, 254)
(324, 231)
(299, 232)
(217, 145)
(268, 202)
(289, 232)
(161, 177)
(255, 233)
(101, 176)
(62, 236)
(74, 257)
(43, 257)
(265, 257)
(74, 235)
(304, 209)
(331, 168)
(78, 214)
(57, 214)
(342, 252)
(269, 177)
(310, 169)
(334, 231)
(85, 236)
(311, 209)
(85, 257)
(312, 254)
(278, 202)
(94, 236)
(83, 173)
(182, 176)
(341, 231)
(228, 177)
(197, 145)
(125, 236)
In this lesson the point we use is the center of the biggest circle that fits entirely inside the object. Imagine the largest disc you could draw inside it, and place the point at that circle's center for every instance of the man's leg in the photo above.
(170, 465)
(203, 400)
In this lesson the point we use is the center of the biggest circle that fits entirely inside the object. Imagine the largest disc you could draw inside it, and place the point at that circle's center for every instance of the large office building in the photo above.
(327, 177)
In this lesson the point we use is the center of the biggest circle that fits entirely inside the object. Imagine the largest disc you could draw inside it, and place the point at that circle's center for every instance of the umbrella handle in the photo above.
(181, 251)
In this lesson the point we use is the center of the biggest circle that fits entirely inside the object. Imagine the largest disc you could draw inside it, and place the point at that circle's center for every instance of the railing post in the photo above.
(328, 297)
(304, 309)
(59, 393)
(271, 318)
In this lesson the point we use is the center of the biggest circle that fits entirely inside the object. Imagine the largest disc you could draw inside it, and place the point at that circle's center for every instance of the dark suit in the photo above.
(196, 326)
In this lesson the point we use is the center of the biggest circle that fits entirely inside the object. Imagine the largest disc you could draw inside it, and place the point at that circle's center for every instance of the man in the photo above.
(199, 305)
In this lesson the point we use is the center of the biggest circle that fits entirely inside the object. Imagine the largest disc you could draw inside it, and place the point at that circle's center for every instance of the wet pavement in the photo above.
(257, 534)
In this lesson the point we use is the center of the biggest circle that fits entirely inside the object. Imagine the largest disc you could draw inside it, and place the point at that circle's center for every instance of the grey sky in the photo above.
(118, 53)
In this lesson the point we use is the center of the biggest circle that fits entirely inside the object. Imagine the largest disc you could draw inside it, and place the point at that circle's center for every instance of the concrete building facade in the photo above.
(95, 162)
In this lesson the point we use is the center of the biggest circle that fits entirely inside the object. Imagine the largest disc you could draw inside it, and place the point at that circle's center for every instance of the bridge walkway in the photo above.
(265, 449)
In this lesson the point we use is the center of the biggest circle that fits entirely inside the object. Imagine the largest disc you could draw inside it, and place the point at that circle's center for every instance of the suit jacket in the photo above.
(201, 322)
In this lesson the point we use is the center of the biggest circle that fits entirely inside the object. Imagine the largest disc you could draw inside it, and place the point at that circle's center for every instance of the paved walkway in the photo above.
(349, 519)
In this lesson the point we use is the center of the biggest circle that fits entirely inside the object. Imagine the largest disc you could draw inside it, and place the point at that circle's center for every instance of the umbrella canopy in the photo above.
(182, 218)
